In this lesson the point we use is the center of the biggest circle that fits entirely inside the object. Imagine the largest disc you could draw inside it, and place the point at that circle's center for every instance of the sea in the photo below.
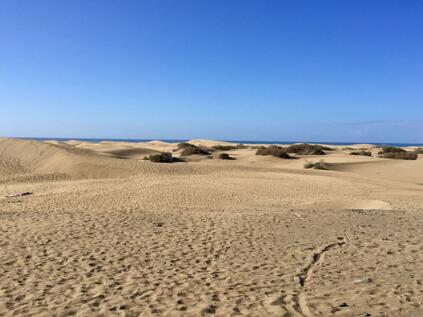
(97, 140)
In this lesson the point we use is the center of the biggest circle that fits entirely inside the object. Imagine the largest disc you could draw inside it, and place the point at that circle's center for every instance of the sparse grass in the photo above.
(362, 153)
(225, 156)
(419, 150)
(274, 150)
(320, 165)
(306, 149)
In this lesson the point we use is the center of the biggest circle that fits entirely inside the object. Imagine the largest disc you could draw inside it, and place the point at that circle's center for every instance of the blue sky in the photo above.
(242, 70)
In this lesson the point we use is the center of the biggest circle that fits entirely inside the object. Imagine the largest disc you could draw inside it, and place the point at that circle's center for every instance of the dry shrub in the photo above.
(419, 150)
(400, 155)
(326, 148)
(190, 149)
(362, 153)
(161, 158)
(392, 149)
(225, 156)
(320, 165)
(396, 153)
(306, 149)
(274, 150)
(228, 147)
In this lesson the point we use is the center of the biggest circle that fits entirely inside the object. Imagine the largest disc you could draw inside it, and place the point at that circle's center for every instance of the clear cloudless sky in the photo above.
(302, 70)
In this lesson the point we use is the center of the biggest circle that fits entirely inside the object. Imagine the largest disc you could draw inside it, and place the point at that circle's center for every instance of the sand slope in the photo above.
(255, 236)
(47, 158)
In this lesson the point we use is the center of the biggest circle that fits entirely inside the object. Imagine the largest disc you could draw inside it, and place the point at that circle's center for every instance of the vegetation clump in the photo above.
(400, 155)
(190, 149)
(306, 149)
(225, 156)
(392, 149)
(362, 153)
(326, 148)
(274, 150)
(392, 152)
(222, 147)
(161, 158)
(419, 150)
(320, 165)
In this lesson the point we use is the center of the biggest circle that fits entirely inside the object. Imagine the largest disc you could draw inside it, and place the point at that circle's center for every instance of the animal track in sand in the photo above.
(296, 303)
(306, 272)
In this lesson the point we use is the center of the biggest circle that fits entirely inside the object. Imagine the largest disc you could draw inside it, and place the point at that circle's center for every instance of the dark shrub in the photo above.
(326, 148)
(306, 149)
(400, 155)
(362, 153)
(392, 149)
(160, 158)
(225, 156)
(194, 151)
(274, 150)
(392, 152)
(228, 147)
(190, 149)
(320, 165)
(184, 145)
(224, 147)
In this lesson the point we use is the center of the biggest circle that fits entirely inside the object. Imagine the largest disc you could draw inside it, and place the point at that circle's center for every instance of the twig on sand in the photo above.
(18, 194)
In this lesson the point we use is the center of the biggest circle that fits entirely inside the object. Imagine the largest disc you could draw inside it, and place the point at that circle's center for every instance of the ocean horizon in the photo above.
(97, 140)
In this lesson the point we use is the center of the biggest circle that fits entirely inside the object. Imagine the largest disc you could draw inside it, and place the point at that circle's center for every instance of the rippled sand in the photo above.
(106, 233)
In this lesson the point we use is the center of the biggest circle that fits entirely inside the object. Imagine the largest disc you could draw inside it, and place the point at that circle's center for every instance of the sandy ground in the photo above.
(106, 233)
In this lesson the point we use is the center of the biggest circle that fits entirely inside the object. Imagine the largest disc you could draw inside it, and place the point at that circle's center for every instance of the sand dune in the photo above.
(47, 158)
(209, 143)
(391, 170)
(106, 233)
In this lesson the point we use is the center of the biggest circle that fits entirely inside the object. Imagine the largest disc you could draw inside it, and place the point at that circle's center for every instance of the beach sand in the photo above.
(106, 233)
